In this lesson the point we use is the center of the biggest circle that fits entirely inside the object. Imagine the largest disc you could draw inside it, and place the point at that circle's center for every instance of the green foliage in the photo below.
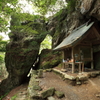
(2, 55)
(10, 7)
(3, 24)
(23, 17)
(71, 5)
(1, 37)
(5, 11)
(58, 13)
(43, 5)
(14, 97)
(3, 46)
(1, 59)
(3, 96)
(33, 43)
(46, 43)
(26, 23)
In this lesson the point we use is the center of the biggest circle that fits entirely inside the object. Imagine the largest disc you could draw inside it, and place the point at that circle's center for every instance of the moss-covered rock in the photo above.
(40, 73)
(59, 94)
(49, 59)
(48, 92)
(34, 88)
(21, 52)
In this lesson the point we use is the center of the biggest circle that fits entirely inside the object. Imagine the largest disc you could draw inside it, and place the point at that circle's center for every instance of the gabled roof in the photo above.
(75, 36)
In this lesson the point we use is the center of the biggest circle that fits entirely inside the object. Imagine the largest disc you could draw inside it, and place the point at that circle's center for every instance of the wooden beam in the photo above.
(96, 32)
(84, 45)
(95, 39)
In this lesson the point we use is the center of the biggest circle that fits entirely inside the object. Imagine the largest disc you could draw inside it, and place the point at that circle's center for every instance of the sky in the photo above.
(5, 36)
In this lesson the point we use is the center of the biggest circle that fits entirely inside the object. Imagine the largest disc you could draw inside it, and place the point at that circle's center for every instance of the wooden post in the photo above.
(92, 66)
(79, 67)
(73, 63)
(63, 64)
(82, 66)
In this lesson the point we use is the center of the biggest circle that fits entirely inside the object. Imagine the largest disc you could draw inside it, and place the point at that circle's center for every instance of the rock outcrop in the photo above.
(22, 51)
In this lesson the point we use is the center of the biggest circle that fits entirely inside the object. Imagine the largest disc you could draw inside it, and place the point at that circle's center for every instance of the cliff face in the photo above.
(72, 17)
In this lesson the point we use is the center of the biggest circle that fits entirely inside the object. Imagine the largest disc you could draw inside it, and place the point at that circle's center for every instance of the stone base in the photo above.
(77, 78)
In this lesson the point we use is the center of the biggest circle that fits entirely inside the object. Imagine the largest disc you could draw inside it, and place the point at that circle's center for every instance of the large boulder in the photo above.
(21, 53)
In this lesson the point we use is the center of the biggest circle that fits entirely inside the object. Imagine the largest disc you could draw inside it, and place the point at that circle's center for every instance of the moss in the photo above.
(59, 94)
(46, 65)
(55, 61)
(50, 64)
(14, 97)
(49, 59)
(71, 6)
(60, 65)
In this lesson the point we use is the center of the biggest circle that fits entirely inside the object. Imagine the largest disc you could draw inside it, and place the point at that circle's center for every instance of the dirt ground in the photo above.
(80, 92)
(19, 93)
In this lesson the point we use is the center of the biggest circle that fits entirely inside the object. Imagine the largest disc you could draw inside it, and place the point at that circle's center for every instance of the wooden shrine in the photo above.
(78, 46)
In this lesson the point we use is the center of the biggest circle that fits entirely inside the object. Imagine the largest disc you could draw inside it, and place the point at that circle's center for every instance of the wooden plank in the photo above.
(88, 59)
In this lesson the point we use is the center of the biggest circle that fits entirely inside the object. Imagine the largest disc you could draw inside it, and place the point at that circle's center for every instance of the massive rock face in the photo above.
(21, 53)
(95, 12)
(65, 22)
